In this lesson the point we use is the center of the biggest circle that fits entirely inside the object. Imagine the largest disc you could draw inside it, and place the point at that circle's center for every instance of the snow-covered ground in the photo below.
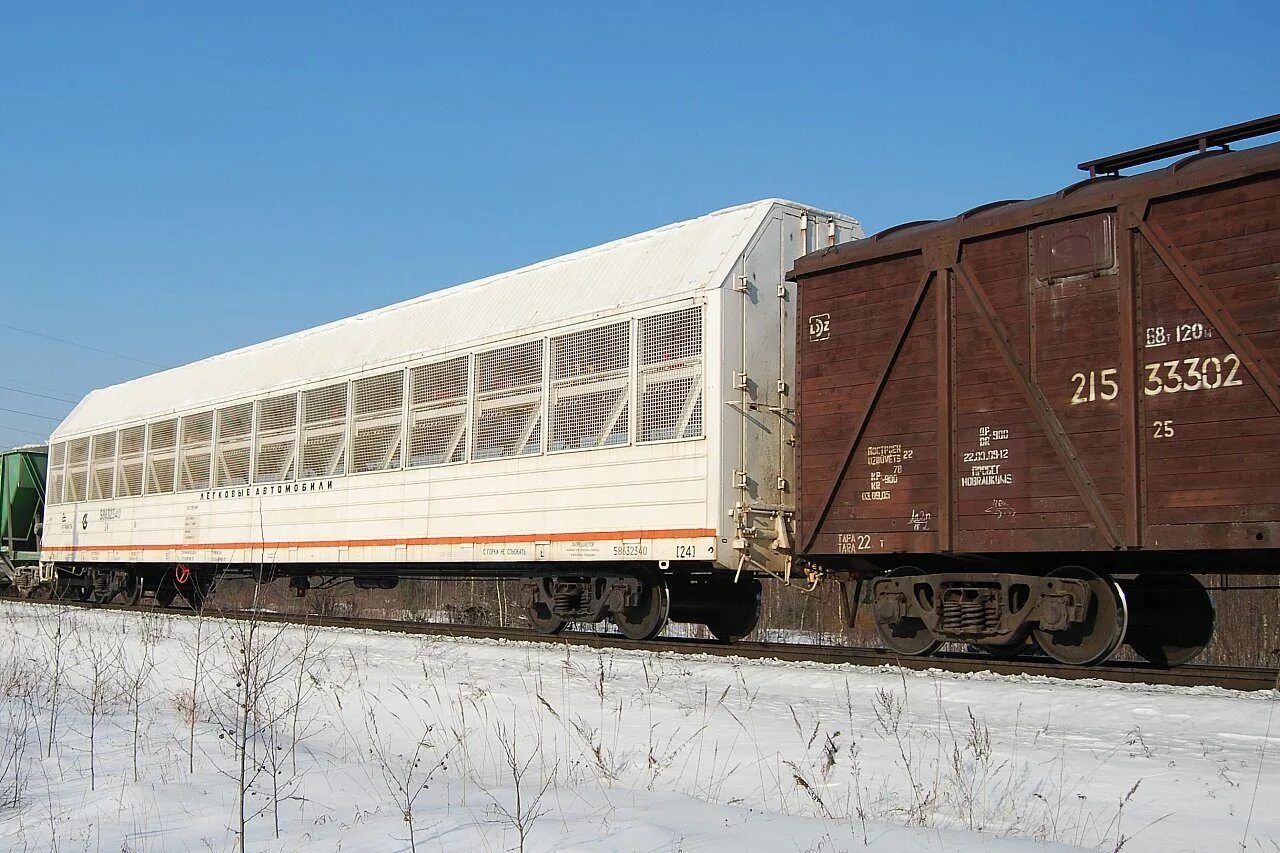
(358, 741)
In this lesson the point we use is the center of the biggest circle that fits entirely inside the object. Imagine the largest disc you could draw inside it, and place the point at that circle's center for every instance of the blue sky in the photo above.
(175, 182)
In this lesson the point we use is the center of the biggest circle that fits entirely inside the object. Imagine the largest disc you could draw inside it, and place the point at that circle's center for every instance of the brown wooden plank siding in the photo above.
(1218, 414)
(1097, 410)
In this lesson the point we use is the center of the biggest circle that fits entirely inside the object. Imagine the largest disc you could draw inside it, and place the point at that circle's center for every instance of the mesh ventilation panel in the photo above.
(277, 452)
(508, 407)
(235, 439)
(590, 388)
(162, 448)
(77, 488)
(57, 472)
(129, 465)
(324, 431)
(104, 467)
(377, 422)
(671, 375)
(438, 412)
(195, 452)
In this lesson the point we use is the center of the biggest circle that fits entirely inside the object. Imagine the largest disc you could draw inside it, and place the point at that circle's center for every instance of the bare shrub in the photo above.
(249, 711)
(20, 721)
(184, 705)
(405, 774)
(521, 814)
(58, 632)
(135, 680)
(100, 692)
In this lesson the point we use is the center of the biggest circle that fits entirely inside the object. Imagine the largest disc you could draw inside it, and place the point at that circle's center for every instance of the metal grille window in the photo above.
(162, 446)
(129, 464)
(57, 472)
(77, 469)
(438, 412)
(235, 440)
(324, 431)
(104, 467)
(195, 452)
(508, 406)
(590, 388)
(377, 420)
(671, 375)
(161, 455)
(277, 453)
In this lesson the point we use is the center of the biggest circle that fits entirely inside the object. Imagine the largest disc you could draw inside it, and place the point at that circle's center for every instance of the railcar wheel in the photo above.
(1094, 638)
(131, 589)
(166, 592)
(196, 591)
(648, 617)
(82, 592)
(543, 620)
(1179, 618)
(741, 613)
(126, 585)
(905, 635)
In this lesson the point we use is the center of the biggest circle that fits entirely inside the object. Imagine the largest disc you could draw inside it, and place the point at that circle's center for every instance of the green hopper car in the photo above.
(22, 479)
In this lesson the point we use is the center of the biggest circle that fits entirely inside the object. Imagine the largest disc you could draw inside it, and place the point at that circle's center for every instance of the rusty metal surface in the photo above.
(1090, 371)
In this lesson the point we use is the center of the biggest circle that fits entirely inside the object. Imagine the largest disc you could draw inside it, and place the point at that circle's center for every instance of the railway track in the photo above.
(1124, 672)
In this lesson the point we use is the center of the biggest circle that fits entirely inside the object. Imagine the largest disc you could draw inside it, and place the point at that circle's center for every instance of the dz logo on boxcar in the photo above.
(820, 327)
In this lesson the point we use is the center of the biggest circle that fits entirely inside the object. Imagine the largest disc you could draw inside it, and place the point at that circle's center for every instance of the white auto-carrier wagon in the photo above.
(616, 426)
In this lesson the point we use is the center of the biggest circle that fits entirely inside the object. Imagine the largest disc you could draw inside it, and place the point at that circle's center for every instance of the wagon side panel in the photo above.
(1208, 265)
(1037, 426)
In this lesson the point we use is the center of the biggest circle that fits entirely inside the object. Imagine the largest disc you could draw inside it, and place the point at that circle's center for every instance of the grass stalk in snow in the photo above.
(135, 678)
(196, 654)
(101, 657)
(303, 683)
(248, 712)
(62, 633)
(13, 754)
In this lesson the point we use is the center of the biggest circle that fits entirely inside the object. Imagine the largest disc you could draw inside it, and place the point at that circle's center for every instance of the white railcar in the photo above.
(614, 425)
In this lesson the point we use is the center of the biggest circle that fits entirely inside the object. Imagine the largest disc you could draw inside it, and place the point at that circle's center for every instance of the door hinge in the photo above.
(739, 479)
(740, 380)
(782, 386)
(782, 290)
(783, 485)
(742, 283)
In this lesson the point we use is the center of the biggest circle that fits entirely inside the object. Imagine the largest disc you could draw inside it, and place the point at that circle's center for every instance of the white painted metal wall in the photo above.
(757, 453)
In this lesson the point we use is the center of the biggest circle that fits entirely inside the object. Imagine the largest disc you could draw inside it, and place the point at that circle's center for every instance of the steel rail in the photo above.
(1233, 678)
(1122, 672)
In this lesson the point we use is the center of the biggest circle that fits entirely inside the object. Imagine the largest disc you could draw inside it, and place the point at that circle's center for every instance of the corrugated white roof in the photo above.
(667, 262)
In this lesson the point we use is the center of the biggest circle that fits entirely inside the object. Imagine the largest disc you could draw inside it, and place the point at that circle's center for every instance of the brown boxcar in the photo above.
(1037, 419)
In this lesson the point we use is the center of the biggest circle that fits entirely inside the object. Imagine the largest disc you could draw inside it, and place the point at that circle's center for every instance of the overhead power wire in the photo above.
(24, 436)
(80, 345)
(22, 430)
(34, 394)
(31, 414)
(25, 384)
